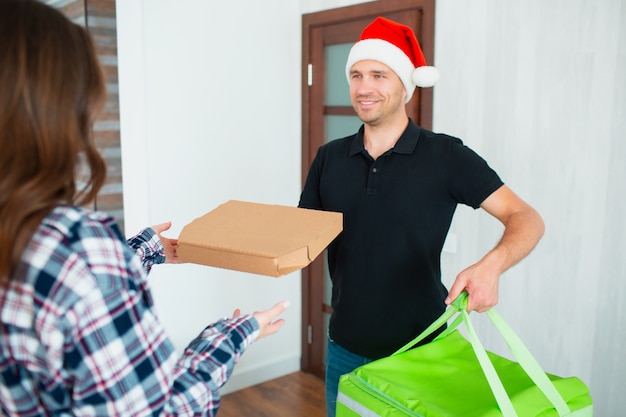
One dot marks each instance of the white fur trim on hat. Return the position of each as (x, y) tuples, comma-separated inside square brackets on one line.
[(387, 53)]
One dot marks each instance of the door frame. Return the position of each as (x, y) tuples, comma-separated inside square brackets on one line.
[(420, 107)]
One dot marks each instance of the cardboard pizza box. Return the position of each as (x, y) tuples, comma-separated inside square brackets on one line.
[(258, 238)]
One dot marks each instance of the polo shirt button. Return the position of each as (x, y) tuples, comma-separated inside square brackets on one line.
[(374, 170)]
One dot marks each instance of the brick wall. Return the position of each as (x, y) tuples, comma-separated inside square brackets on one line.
[(99, 18)]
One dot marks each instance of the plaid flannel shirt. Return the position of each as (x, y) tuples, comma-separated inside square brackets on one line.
[(79, 335)]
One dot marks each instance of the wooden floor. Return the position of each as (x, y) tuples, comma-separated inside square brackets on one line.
[(294, 395)]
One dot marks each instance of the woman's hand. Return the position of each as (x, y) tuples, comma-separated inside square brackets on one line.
[(267, 325), (169, 245), (265, 318)]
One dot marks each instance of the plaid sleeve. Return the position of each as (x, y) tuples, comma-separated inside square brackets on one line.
[(127, 366), (79, 333), (206, 365), (116, 352), (148, 247)]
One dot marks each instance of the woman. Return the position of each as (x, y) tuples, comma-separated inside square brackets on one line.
[(78, 331)]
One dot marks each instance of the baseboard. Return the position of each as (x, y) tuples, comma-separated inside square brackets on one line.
[(244, 378)]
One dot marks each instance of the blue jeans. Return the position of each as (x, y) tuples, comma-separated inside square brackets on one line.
[(339, 361)]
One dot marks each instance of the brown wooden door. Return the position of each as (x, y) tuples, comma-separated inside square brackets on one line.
[(327, 114)]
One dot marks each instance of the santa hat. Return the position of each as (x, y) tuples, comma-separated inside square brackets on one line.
[(394, 45)]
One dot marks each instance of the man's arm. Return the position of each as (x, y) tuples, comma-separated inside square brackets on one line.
[(523, 227)]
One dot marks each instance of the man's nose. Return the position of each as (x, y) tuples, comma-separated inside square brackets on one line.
[(364, 85)]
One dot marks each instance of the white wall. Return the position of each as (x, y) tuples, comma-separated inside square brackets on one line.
[(539, 89), (211, 112)]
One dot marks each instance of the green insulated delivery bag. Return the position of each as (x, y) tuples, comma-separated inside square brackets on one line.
[(455, 377)]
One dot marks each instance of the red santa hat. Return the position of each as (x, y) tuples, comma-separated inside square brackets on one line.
[(394, 45)]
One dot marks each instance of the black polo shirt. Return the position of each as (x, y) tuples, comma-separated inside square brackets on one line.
[(397, 209)]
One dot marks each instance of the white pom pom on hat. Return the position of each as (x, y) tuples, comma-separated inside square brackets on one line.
[(394, 45), (425, 76)]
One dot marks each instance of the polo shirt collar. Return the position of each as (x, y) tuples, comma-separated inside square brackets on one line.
[(405, 145)]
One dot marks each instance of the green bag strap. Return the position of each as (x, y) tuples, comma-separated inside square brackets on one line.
[(516, 346), (502, 398), (528, 362), (453, 309)]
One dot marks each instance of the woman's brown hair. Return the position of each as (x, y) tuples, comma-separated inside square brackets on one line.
[(51, 86)]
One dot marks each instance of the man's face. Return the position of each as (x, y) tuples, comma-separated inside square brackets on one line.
[(376, 92)]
